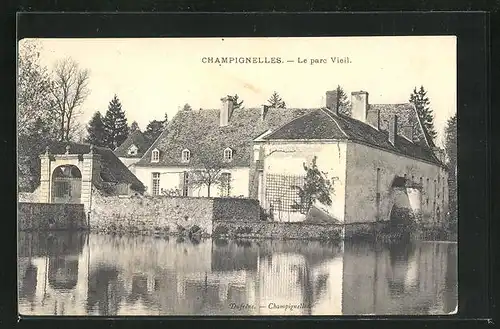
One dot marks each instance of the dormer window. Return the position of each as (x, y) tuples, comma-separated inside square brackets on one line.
[(186, 155), (228, 154), (155, 156), (132, 150)]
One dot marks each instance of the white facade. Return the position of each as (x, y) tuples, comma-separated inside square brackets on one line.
[(172, 178), (288, 158), (129, 162)]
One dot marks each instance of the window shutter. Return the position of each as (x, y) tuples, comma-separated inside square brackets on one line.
[(181, 181)]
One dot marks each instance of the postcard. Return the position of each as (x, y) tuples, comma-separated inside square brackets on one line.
[(237, 176)]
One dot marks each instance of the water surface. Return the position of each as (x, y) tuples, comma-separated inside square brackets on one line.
[(93, 274)]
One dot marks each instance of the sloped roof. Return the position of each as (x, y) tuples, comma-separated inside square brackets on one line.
[(190, 129), (135, 138), (324, 124), (112, 169), (407, 116)]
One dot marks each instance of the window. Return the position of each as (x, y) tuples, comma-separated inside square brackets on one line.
[(132, 150), (225, 184), (155, 156), (185, 184), (228, 154), (156, 183), (186, 155)]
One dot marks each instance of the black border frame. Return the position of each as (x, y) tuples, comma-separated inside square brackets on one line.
[(473, 61)]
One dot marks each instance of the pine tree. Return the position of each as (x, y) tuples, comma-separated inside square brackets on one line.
[(451, 143), (165, 121), (343, 103), (451, 152), (187, 107), (96, 134), (134, 127), (275, 101), (153, 130), (115, 124), (421, 102)]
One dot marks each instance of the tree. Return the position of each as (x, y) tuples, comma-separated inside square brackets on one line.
[(96, 132), (36, 121), (34, 84), (115, 124), (69, 91), (237, 104), (153, 130), (451, 152), (275, 101), (187, 107), (207, 156), (316, 187), (343, 103), (451, 142), (165, 121), (134, 127), (421, 102)]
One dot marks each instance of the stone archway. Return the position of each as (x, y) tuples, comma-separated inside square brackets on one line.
[(66, 184), (405, 201)]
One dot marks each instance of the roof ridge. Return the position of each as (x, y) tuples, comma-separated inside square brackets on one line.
[(333, 119), (287, 123)]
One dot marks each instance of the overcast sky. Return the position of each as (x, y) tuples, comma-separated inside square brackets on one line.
[(156, 76)]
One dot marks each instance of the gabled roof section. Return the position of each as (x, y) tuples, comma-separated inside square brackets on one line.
[(323, 124), (190, 129), (112, 169), (315, 125), (407, 116), (135, 138)]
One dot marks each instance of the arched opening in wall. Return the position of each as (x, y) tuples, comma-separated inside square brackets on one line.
[(406, 201), (438, 215), (66, 184)]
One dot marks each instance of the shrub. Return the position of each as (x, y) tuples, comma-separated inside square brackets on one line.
[(264, 216), (243, 230), (194, 230), (171, 192), (331, 235), (220, 230), (181, 229)]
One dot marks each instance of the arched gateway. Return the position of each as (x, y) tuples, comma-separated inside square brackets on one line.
[(66, 184)]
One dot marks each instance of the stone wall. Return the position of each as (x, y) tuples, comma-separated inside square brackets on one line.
[(44, 216), (236, 209), (28, 197), (150, 213), (277, 230)]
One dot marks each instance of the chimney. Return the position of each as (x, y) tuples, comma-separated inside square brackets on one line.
[(373, 117), (393, 129), (263, 111), (331, 100), (359, 103), (226, 110), (407, 131)]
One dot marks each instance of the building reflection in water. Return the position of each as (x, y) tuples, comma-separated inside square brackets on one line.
[(74, 274), (53, 268)]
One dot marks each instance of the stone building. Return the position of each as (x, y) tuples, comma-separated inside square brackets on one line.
[(219, 140), (381, 161), (71, 172), (380, 158), (132, 149)]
